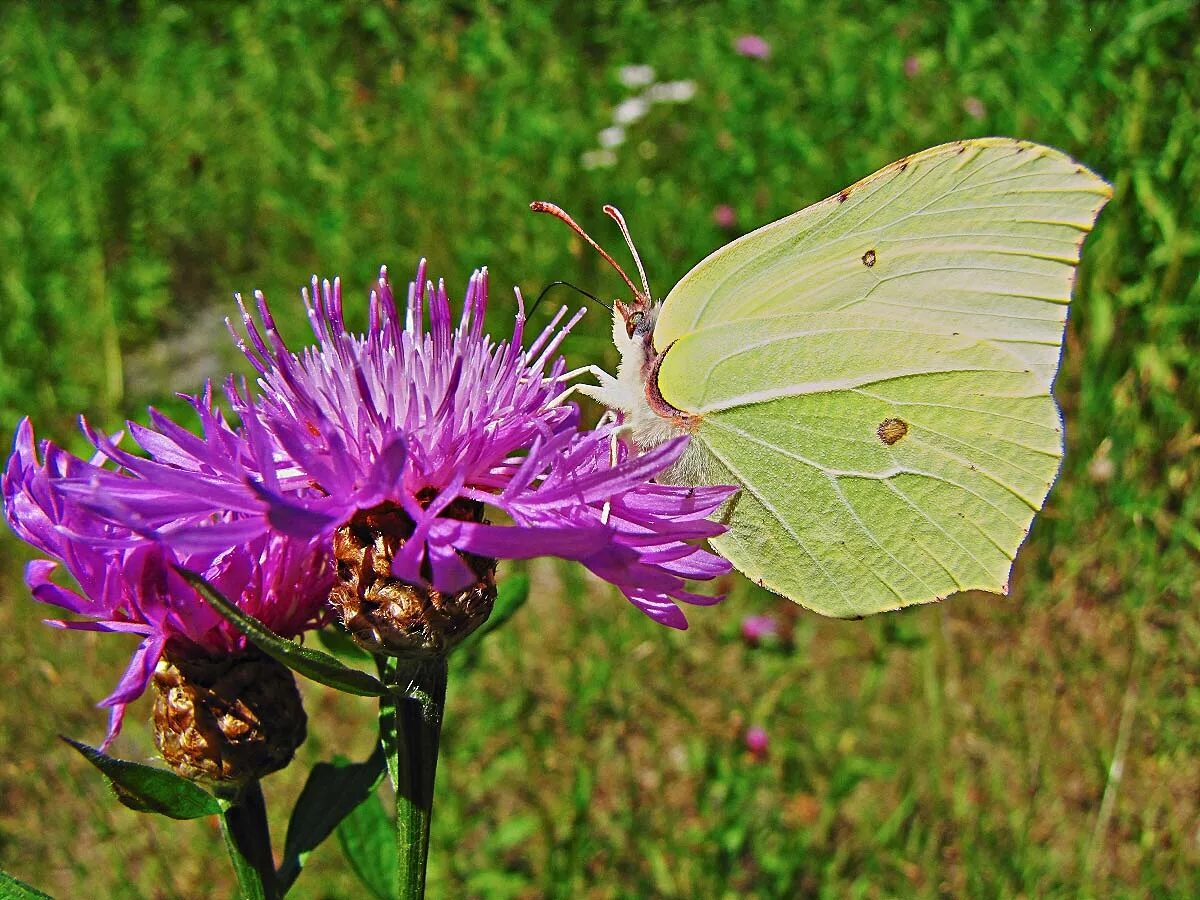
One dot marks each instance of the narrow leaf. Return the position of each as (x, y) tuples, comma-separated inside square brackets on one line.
[(14, 889), (340, 644), (389, 736), (332, 792), (368, 840), (312, 664), (147, 789)]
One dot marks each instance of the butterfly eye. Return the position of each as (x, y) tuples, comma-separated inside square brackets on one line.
[(633, 321)]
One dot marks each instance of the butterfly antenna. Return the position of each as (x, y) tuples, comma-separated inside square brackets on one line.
[(615, 214), (558, 213), (573, 287)]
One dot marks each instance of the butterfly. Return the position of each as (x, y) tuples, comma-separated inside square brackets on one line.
[(874, 372)]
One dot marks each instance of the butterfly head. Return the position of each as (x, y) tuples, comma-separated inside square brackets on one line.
[(636, 316), (634, 392)]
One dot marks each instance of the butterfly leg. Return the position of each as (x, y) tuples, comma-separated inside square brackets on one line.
[(613, 457), (588, 390)]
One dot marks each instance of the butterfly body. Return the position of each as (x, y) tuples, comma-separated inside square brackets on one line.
[(875, 372), (648, 420)]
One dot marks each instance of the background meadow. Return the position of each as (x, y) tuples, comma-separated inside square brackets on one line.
[(158, 158)]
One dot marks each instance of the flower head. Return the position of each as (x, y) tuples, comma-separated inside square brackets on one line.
[(752, 45), (757, 742), (724, 215), (974, 107), (636, 75), (129, 584), (419, 424), (756, 629)]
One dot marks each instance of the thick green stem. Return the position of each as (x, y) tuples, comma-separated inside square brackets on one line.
[(248, 840), (416, 714)]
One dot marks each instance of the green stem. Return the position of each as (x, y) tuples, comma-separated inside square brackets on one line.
[(417, 702), (248, 840)]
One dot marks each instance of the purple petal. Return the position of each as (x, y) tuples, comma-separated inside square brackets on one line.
[(137, 676)]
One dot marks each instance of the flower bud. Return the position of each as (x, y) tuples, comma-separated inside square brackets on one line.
[(226, 720), (757, 742), (387, 615)]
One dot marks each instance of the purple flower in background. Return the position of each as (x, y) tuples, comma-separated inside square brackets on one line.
[(974, 107), (724, 215), (912, 66), (752, 45), (756, 629), (128, 584), (757, 742), (392, 443)]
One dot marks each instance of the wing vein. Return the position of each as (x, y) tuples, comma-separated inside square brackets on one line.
[(748, 486)]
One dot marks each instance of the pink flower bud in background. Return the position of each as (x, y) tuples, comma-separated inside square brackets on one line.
[(756, 629), (912, 66), (724, 215), (752, 45), (974, 107), (757, 742)]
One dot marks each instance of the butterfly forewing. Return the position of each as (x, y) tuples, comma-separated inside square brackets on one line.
[(875, 372)]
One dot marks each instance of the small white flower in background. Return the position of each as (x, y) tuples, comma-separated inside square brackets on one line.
[(629, 111), (612, 137), (634, 109), (671, 92), (636, 76), (599, 159), (1102, 468)]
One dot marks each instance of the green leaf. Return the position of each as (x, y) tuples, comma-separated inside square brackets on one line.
[(147, 789), (332, 792), (13, 889), (313, 664), (511, 594), (339, 643), (368, 840), (389, 736)]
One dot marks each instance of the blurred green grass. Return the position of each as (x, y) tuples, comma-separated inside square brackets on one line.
[(161, 157)]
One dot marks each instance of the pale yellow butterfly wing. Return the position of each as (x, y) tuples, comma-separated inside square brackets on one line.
[(875, 371)]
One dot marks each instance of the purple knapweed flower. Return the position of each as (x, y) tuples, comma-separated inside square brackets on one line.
[(724, 215), (128, 584), (752, 45), (756, 629), (393, 442)]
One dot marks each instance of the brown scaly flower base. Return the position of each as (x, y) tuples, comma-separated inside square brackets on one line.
[(386, 615), (226, 721)]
